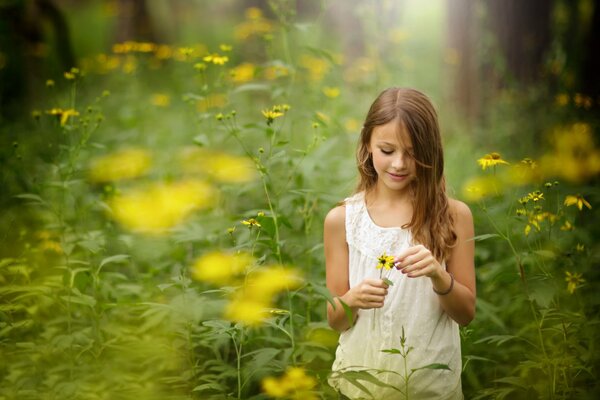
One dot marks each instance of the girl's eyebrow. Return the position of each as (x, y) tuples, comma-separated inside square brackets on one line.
[(391, 144)]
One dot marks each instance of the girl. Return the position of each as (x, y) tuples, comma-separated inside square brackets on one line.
[(400, 208)]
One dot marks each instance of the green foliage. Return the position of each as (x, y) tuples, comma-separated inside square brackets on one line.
[(95, 305)]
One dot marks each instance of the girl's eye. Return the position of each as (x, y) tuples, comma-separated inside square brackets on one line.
[(386, 151)]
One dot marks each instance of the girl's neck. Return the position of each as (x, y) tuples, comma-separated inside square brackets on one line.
[(383, 195)]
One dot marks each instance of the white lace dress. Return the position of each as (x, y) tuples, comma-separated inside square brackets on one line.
[(410, 304)]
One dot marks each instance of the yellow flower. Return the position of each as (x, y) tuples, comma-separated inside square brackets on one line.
[(316, 67), (220, 268), (270, 115), (490, 160), (251, 222), (64, 115), (273, 387), (50, 83), (123, 164), (562, 99), (385, 261), (186, 51), (480, 187), (216, 59), (64, 118), (225, 47), (574, 155), (266, 282), (567, 226), (251, 303), (247, 311), (295, 384), (579, 247), (578, 201), (243, 73), (574, 280), (161, 100), (222, 167), (535, 196), (331, 92), (159, 207)]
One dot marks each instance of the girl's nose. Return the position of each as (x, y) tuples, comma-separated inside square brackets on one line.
[(398, 162)]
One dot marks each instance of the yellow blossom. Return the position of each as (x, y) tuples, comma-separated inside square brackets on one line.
[(225, 47), (251, 222), (243, 73), (577, 201), (222, 167), (491, 160), (562, 99), (316, 67), (252, 302), (215, 59), (159, 207), (535, 196), (270, 115), (331, 92), (385, 261), (254, 25), (573, 156), (567, 226), (123, 164), (294, 383), (579, 247), (273, 387), (480, 187), (161, 100), (186, 51), (247, 311), (574, 280), (220, 268)]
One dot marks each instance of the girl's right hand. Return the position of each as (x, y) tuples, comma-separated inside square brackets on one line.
[(370, 293)]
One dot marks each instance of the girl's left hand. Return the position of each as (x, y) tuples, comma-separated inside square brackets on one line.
[(418, 261)]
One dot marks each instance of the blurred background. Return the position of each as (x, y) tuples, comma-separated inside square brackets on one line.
[(165, 161)]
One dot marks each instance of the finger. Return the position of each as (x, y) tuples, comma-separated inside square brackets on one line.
[(416, 266), (406, 252)]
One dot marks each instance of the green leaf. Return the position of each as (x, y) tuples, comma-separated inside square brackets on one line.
[(485, 236), (391, 351), (390, 283), (323, 291), (348, 311), (433, 366), (35, 199), (119, 258), (545, 253), (498, 339)]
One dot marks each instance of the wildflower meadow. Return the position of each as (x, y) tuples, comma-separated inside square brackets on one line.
[(163, 197)]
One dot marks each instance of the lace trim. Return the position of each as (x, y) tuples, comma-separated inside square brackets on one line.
[(363, 234)]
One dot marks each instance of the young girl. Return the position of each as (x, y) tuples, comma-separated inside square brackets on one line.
[(400, 209)]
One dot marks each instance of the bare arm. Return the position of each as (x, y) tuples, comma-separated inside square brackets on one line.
[(369, 294), (459, 303)]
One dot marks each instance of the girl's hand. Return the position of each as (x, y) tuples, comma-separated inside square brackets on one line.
[(418, 261), (370, 293)]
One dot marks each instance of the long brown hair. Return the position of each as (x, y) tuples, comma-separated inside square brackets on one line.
[(431, 223)]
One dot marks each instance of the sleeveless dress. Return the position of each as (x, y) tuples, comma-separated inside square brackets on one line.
[(411, 305)]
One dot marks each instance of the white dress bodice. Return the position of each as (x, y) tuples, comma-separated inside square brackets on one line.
[(410, 304)]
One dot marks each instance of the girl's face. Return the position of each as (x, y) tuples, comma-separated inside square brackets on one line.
[(392, 154)]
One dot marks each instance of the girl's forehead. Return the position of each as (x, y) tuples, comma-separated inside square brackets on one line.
[(393, 132)]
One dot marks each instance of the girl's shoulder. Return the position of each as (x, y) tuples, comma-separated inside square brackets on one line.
[(336, 217), (461, 213)]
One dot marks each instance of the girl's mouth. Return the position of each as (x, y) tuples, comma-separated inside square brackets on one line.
[(397, 177)]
